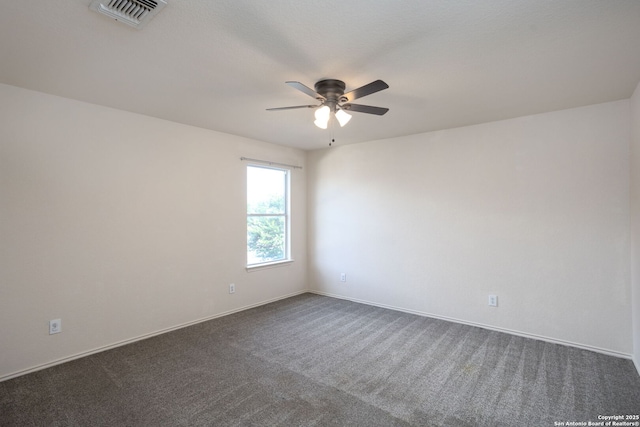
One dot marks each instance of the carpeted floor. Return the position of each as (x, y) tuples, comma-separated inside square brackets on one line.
[(318, 361)]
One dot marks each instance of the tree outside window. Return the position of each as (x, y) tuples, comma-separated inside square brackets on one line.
[(267, 215)]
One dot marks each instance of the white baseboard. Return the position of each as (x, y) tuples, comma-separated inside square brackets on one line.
[(481, 325), (141, 337), (636, 361)]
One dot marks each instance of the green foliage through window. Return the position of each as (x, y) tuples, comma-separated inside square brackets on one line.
[(267, 216)]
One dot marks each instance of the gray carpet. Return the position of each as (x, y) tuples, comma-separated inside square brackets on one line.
[(318, 361)]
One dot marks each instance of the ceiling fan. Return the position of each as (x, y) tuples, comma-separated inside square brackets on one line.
[(332, 99)]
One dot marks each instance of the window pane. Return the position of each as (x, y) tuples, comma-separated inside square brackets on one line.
[(265, 239), (266, 190)]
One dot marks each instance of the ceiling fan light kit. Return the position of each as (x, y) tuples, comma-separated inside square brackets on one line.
[(343, 117), (322, 114), (330, 93)]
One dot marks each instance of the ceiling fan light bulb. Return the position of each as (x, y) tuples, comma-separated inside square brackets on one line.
[(343, 117), (322, 113), (322, 124)]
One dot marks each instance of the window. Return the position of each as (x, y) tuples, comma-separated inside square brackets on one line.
[(267, 215)]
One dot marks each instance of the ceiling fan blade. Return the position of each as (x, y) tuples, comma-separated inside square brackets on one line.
[(305, 89), (365, 90), (292, 108), (379, 111)]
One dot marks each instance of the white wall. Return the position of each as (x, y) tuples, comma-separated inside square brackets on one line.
[(635, 223), (534, 209), (122, 225)]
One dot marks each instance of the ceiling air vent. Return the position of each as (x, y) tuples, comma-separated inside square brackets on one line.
[(133, 12)]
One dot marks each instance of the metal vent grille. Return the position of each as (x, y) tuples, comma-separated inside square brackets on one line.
[(133, 12)]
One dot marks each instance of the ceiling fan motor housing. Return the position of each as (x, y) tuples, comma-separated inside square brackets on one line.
[(332, 90)]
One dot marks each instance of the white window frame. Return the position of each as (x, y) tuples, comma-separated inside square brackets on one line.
[(287, 220)]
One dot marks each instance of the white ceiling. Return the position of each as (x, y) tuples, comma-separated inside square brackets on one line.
[(219, 64)]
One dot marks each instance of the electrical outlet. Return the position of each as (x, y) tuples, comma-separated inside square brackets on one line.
[(493, 300), (343, 277), (55, 326), (232, 288)]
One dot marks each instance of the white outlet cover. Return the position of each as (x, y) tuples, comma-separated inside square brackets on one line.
[(493, 300), (55, 326)]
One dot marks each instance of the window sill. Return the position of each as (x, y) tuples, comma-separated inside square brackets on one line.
[(256, 267)]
